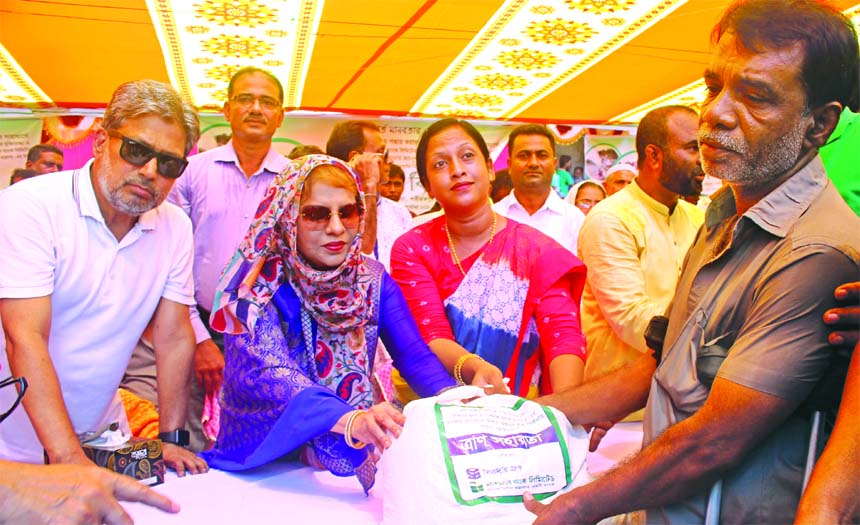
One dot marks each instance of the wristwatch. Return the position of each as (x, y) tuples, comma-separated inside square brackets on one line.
[(175, 437)]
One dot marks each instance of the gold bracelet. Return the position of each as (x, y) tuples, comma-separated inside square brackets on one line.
[(347, 431), (458, 368)]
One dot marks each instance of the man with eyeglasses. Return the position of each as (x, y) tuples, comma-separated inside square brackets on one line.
[(94, 256), (360, 143), (220, 192)]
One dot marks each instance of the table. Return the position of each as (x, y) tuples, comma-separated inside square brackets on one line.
[(280, 492), (288, 492), (622, 441)]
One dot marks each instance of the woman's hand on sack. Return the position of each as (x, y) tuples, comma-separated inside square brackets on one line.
[(377, 424), (488, 376)]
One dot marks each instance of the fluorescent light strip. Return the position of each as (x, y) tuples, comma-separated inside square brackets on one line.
[(530, 48), (16, 86), (204, 42)]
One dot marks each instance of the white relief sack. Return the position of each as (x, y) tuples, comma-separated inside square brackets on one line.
[(470, 462)]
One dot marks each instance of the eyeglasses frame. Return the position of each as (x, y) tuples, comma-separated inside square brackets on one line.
[(22, 388), (322, 224)]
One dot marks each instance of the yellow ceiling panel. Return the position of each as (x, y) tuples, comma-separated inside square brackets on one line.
[(389, 54), (373, 57), (670, 54), (79, 52)]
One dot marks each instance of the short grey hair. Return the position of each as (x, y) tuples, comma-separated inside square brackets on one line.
[(140, 98)]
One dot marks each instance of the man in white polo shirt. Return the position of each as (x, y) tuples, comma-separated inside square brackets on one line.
[(532, 165), (87, 258)]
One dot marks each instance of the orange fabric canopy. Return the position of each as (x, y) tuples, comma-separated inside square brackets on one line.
[(375, 57)]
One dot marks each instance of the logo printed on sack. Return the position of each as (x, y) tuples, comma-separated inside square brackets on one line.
[(495, 453)]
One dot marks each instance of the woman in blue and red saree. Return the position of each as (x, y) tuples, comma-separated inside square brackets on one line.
[(302, 310), (479, 284)]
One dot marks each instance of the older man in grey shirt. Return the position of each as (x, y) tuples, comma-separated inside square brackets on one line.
[(745, 344)]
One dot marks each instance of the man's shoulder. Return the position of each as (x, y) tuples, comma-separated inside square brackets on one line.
[(558, 219), (275, 162), (556, 203), (396, 213), (172, 218), (199, 170), (830, 221), (393, 205), (619, 205), (505, 203), (532, 237), (53, 190), (206, 158), (693, 212)]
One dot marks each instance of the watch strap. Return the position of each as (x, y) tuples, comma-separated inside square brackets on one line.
[(179, 437)]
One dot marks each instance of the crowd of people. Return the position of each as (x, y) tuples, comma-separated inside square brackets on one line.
[(264, 306)]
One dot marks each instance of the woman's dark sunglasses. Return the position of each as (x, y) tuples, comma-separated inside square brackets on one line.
[(21, 385), (319, 216), (138, 154)]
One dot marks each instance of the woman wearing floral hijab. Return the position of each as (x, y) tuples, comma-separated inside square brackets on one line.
[(303, 310)]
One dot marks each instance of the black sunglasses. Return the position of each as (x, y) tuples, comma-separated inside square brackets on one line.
[(21, 387), (138, 154), (319, 216)]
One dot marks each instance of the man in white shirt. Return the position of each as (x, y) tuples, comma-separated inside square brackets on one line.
[(634, 242), (44, 158), (531, 166), (360, 143), (96, 254)]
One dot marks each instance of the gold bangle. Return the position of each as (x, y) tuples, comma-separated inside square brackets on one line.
[(347, 431), (458, 368)]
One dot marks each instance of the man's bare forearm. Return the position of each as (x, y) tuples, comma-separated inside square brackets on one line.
[(610, 397), (687, 458), (368, 242), (174, 344)]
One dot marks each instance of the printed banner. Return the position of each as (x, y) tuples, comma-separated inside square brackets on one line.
[(604, 151), (17, 136)]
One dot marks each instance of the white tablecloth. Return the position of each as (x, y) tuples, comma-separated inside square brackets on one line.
[(622, 440), (285, 492), (277, 493)]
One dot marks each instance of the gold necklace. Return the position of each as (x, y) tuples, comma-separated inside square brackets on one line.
[(454, 252)]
